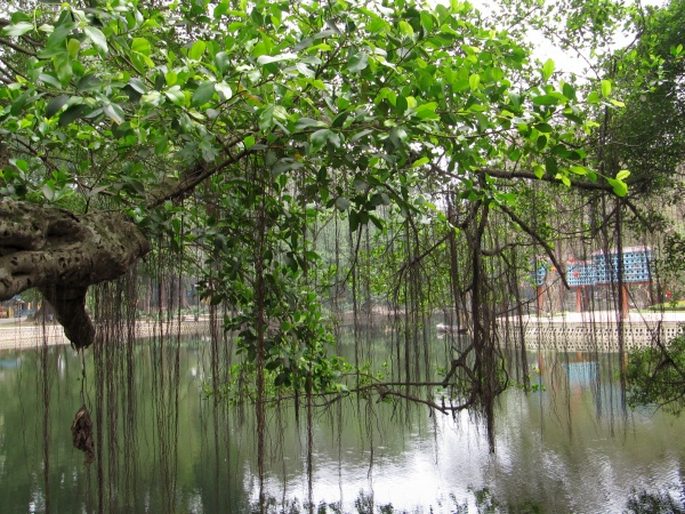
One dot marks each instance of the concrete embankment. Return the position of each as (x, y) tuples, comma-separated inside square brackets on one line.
[(26, 335), (601, 330), (593, 331)]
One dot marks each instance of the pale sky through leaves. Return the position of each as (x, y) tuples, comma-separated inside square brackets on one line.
[(567, 62)]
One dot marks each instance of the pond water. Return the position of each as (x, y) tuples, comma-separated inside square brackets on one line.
[(568, 447)]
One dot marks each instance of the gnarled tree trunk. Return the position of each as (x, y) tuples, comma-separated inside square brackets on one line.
[(62, 254)]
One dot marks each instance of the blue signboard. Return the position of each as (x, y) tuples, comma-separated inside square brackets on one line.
[(580, 273), (603, 268), (636, 265), (540, 275)]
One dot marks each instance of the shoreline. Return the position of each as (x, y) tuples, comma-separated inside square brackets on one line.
[(29, 336), (25, 335)]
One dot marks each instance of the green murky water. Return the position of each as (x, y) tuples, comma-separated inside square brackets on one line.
[(569, 447)]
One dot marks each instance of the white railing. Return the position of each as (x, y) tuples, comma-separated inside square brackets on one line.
[(602, 337)]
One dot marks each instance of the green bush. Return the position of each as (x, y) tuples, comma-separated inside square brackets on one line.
[(656, 375)]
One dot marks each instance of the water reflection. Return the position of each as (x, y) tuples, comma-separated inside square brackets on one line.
[(570, 446)]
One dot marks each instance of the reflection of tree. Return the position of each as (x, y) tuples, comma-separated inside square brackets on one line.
[(73, 486), (23, 449)]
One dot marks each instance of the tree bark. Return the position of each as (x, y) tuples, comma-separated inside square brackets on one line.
[(62, 254)]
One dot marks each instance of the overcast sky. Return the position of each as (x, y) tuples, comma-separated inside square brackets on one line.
[(566, 62)]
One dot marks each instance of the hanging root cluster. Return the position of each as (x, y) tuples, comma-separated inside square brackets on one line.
[(82, 434)]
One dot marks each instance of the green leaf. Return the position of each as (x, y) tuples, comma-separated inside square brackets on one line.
[(55, 43), (420, 162), (153, 98), (141, 45), (114, 112), (339, 120), (72, 113), (401, 105), (354, 221), (305, 70), (551, 165), (405, 28), (478, 108), (547, 69), (361, 134), (541, 142), (569, 91), (171, 77), (427, 111), (222, 61), (622, 174), (397, 136), (474, 81), (358, 62), (197, 50), (564, 179), (280, 113), (73, 47), (203, 94), (514, 154), (175, 94), (606, 88), (509, 198), (55, 105), (18, 29), (593, 98), (305, 123), (545, 100), (286, 164), (48, 192), (208, 150), (266, 118), (322, 136), (50, 80), (20, 164), (579, 170), (97, 37), (224, 90), (620, 188), (268, 59), (89, 82), (19, 103), (249, 141), (63, 67), (138, 85)]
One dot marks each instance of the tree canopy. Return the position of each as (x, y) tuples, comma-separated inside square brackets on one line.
[(141, 103)]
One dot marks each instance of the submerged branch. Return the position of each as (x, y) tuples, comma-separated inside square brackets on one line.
[(385, 390)]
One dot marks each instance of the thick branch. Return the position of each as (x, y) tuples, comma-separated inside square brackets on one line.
[(62, 255), (194, 177), (577, 184), (536, 237)]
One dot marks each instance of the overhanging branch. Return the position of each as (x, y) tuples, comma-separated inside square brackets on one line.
[(62, 254)]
